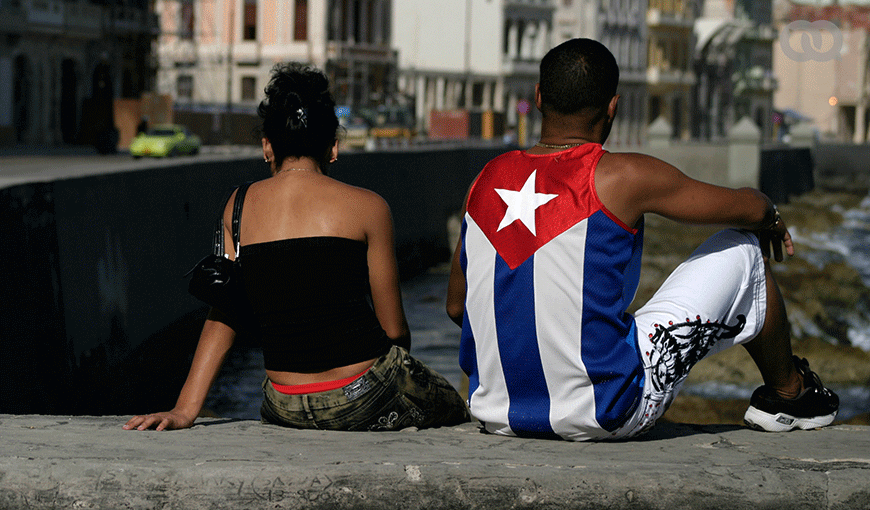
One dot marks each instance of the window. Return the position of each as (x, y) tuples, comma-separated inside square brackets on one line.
[(249, 88), (655, 108), (186, 21), (477, 94), (300, 28), (184, 86), (249, 31)]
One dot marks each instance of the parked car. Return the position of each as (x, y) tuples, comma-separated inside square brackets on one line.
[(165, 140)]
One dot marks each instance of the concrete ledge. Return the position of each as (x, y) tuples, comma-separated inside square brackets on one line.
[(90, 462)]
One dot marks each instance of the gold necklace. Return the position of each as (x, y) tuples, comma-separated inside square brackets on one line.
[(553, 146)]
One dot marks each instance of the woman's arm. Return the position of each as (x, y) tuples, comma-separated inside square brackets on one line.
[(215, 341), (384, 272)]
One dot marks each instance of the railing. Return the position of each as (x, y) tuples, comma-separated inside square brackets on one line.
[(83, 17), (530, 3), (45, 12)]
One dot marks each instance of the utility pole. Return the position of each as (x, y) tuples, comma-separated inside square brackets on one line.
[(468, 85), (860, 135)]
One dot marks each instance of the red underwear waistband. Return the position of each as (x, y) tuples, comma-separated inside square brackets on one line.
[(301, 389)]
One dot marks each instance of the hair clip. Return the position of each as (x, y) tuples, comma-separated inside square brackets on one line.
[(302, 115)]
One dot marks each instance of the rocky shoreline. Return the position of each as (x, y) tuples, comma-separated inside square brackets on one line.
[(819, 298)]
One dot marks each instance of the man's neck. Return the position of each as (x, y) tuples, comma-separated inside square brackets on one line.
[(559, 129)]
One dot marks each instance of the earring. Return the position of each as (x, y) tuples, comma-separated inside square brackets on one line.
[(267, 160), (333, 160)]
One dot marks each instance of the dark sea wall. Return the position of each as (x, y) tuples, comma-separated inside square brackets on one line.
[(847, 165), (96, 317)]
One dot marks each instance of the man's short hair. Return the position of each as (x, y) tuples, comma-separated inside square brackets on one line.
[(578, 74)]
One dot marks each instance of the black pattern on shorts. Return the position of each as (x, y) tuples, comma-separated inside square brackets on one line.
[(678, 347)]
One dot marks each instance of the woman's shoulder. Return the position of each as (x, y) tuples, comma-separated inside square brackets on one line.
[(361, 197)]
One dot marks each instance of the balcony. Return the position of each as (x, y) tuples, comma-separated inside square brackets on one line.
[(630, 18), (521, 67), (755, 80), (545, 4), (361, 52), (762, 34), (45, 12), (130, 20), (669, 78), (664, 19), (12, 19), (83, 20), (530, 10)]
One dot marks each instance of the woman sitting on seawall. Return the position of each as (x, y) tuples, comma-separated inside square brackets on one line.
[(313, 250)]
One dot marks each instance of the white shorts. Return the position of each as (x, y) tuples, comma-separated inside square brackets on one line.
[(714, 300)]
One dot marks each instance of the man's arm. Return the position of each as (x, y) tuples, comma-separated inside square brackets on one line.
[(456, 289), (456, 284), (631, 185)]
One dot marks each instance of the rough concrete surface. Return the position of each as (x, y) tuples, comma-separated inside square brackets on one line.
[(90, 462)]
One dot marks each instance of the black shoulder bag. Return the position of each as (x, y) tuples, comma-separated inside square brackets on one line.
[(215, 279)]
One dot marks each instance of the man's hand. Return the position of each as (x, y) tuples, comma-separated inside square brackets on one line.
[(163, 421), (775, 236)]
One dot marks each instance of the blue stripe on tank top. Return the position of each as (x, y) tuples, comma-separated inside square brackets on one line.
[(615, 369), (529, 413)]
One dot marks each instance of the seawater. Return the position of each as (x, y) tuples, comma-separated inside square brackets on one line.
[(850, 243), (237, 392)]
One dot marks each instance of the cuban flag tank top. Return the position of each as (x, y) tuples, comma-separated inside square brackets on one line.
[(547, 344)]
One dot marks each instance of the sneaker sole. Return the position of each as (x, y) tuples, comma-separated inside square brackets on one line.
[(782, 422)]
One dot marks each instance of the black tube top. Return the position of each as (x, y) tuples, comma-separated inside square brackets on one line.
[(310, 297)]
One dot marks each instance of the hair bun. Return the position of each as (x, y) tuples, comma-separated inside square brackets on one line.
[(298, 112)]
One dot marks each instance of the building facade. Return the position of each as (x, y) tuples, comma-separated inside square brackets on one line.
[(217, 54), (733, 63), (838, 105), (669, 72), (64, 62), (471, 55), (449, 56), (621, 26)]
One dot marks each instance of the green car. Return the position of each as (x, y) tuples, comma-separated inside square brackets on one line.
[(165, 140)]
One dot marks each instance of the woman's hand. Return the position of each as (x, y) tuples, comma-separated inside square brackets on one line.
[(775, 235), (163, 421), (214, 343)]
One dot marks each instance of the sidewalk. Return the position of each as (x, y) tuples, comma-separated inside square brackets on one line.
[(25, 164), (90, 462)]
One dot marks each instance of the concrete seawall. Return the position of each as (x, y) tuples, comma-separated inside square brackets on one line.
[(89, 462)]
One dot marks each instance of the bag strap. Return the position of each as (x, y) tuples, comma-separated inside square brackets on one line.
[(218, 239), (237, 216)]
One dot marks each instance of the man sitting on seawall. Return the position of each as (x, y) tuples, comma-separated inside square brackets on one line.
[(549, 261)]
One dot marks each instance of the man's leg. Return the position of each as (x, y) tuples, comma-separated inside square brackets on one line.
[(793, 396), (715, 299), (771, 349), (723, 295)]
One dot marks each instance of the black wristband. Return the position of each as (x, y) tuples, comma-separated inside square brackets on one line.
[(772, 224)]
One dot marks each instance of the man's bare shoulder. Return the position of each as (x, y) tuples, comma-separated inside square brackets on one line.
[(631, 160), (634, 167)]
